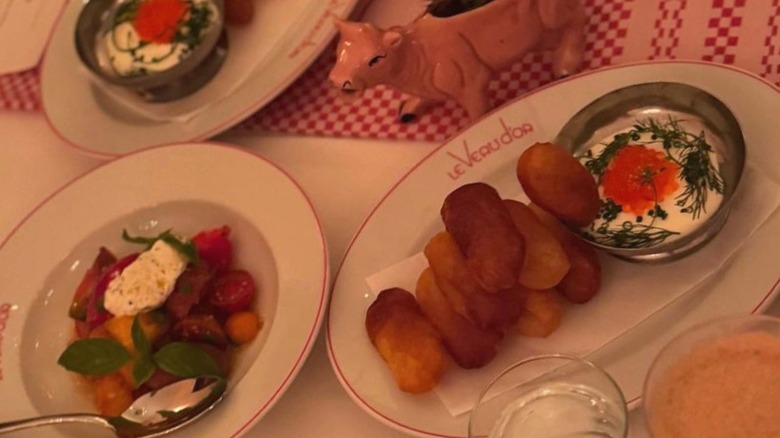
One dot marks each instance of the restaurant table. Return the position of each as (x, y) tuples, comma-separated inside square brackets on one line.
[(344, 178)]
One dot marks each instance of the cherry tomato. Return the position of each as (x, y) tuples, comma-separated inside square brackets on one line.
[(215, 248), (233, 292), (200, 328), (191, 286)]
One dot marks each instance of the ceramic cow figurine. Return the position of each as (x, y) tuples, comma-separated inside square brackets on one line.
[(438, 58)]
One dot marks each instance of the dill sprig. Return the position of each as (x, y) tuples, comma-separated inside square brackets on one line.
[(598, 165), (696, 167), (629, 235), (191, 30), (126, 12)]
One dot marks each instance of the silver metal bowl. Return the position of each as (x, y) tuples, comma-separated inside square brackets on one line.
[(192, 73), (618, 111)]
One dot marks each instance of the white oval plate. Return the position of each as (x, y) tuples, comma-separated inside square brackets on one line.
[(409, 214), (285, 37), (188, 187)]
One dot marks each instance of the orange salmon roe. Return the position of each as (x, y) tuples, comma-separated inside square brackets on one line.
[(157, 20), (638, 178)]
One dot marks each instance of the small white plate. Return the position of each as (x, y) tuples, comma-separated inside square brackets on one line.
[(283, 39), (487, 151), (187, 187)]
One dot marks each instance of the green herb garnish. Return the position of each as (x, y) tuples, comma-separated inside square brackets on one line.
[(609, 210), (185, 248), (186, 360), (629, 235), (691, 153), (143, 369), (696, 167), (140, 341), (126, 12), (98, 357), (94, 357), (191, 31), (598, 165), (144, 366)]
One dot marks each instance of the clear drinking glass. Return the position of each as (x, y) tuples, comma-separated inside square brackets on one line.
[(550, 396)]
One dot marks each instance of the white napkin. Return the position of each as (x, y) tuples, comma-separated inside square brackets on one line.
[(630, 293), (25, 26)]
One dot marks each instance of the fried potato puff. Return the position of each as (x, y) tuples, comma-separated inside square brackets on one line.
[(468, 345), (583, 280), (406, 340), (476, 218), (497, 311), (559, 183), (543, 314), (545, 262)]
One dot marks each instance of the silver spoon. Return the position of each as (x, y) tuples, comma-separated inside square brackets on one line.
[(153, 414)]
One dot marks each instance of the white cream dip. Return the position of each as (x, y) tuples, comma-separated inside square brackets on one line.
[(653, 194)]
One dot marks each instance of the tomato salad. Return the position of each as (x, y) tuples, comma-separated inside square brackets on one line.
[(177, 309)]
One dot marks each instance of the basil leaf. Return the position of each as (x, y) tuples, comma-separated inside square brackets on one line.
[(148, 241), (141, 342), (186, 360), (186, 248), (142, 370), (94, 357)]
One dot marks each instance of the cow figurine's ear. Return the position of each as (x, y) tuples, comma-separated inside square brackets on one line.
[(391, 39)]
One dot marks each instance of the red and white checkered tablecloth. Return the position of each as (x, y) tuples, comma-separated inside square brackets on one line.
[(736, 32)]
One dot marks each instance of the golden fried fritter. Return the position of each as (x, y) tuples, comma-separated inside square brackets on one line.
[(476, 218), (542, 315), (406, 340), (545, 262), (559, 183), (468, 345), (583, 280), (489, 311)]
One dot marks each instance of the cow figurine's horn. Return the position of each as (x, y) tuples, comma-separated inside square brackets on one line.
[(342, 25), (339, 22)]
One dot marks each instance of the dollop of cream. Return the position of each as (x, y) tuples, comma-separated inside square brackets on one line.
[(146, 283)]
